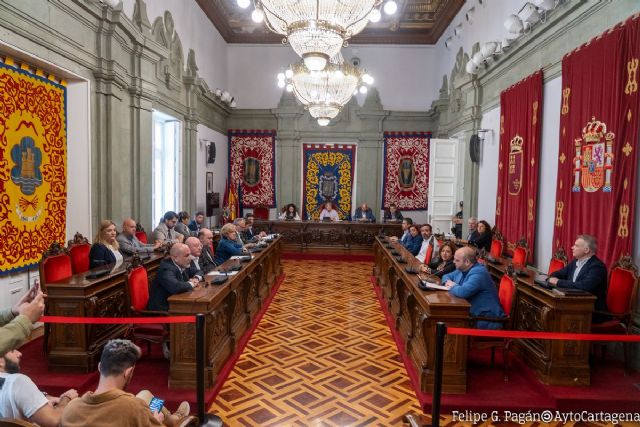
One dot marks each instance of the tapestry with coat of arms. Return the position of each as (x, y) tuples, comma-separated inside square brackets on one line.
[(33, 170), (406, 170), (599, 131), (519, 162), (252, 157), (327, 177)]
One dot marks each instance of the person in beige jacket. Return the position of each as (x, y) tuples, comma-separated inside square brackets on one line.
[(17, 321)]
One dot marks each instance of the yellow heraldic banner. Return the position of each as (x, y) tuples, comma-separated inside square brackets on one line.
[(33, 165)]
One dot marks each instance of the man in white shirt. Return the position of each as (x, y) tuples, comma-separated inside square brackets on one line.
[(429, 241), (21, 399)]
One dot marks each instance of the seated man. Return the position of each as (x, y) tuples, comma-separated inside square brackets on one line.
[(206, 262), (473, 282), (21, 399), (196, 223), (241, 228), (195, 249), (129, 243), (172, 278), (429, 246), (392, 214), (585, 272), (473, 229), (17, 321), (414, 241), (165, 231), (110, 404), (249, 235), (406, 223), (364, 214)]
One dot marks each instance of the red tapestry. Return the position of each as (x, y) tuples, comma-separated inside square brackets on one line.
[(406, 170), (597, 159), (252, 156), (520, 125)]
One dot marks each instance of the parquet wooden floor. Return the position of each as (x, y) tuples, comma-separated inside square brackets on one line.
[(322, 355)]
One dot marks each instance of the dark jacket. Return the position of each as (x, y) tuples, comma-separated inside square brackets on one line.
[(195, 270), (194, 226), (100, 255), (482, 241), (413, 244), (226, 249), (206, 260), (169, 281), (388, 216), (592, 278), (367, 214), (473, 236), (448, 267)]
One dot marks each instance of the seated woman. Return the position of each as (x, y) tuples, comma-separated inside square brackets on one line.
[(228, 245), (483, 241), (290, 213), (414, 241), (105, 249), (329, 212), (444, 265), (182, 226), (392, 214)]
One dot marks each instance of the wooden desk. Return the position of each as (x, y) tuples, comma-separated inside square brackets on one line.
[(77, 347), (299, 236), (230, 310), (416, 313)]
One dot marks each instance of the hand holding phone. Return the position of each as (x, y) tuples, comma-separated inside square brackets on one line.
[(156, 404)]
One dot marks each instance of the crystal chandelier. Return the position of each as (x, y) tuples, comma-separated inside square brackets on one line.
[(317, 29), (325, 92)]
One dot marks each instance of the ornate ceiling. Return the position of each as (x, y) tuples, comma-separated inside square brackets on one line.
[(415, 22)]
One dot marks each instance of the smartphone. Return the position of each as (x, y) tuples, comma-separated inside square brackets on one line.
[(156, 404), (35, 289)]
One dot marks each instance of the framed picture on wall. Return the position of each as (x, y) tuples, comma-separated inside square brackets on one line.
[(209, 182)]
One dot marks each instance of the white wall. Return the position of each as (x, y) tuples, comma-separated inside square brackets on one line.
[(219, 168), (196, 32), (488, 171)]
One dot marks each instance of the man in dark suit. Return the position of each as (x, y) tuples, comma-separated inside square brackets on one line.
[(364, 213), (172, 278), (206, 257), (585, 272), (195, 249), (473, 229), (196, 223)]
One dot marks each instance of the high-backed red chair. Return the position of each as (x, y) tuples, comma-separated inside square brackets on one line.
[(55, 265), (497, 245), (558, 261), (138, 286), (621, 297), (140, 234), (79, 248), (520, 254), (261, 212), (507, 297)]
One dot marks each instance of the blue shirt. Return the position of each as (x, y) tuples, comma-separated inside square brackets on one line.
[(226, 249), (477, 287)]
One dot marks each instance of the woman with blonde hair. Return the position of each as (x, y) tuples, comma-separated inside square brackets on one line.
[(105, 249)]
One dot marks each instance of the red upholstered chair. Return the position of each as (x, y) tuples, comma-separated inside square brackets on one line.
[(261, 212), (558, 262), (497, 245), (55, 265), (520, 255), (507, 297), (140, 234), (79, 249), (621, 298), (138, 286)]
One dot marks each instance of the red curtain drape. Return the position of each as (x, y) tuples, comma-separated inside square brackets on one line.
[(597, 158), (520, 124)]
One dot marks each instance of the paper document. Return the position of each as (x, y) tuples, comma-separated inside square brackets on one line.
[(220, 273), (241, 256), (432, 285)]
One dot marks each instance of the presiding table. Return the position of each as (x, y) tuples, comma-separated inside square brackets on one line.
[(415, 313), (77, 347), (344, 236), (557, 362), (230, 310)]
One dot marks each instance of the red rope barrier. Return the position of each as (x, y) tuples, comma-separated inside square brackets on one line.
[(118, 320), (500, 333)]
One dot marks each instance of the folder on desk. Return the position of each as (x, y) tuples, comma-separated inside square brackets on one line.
[(425, 284)]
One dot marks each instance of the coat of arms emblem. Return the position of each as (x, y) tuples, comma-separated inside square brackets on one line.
[(593, 162), (515, 165)]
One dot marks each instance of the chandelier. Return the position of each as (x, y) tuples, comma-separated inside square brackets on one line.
[(317, 29), (324, 93)]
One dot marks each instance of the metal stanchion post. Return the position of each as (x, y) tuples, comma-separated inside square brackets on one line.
[(441, 331), (203, 418)]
